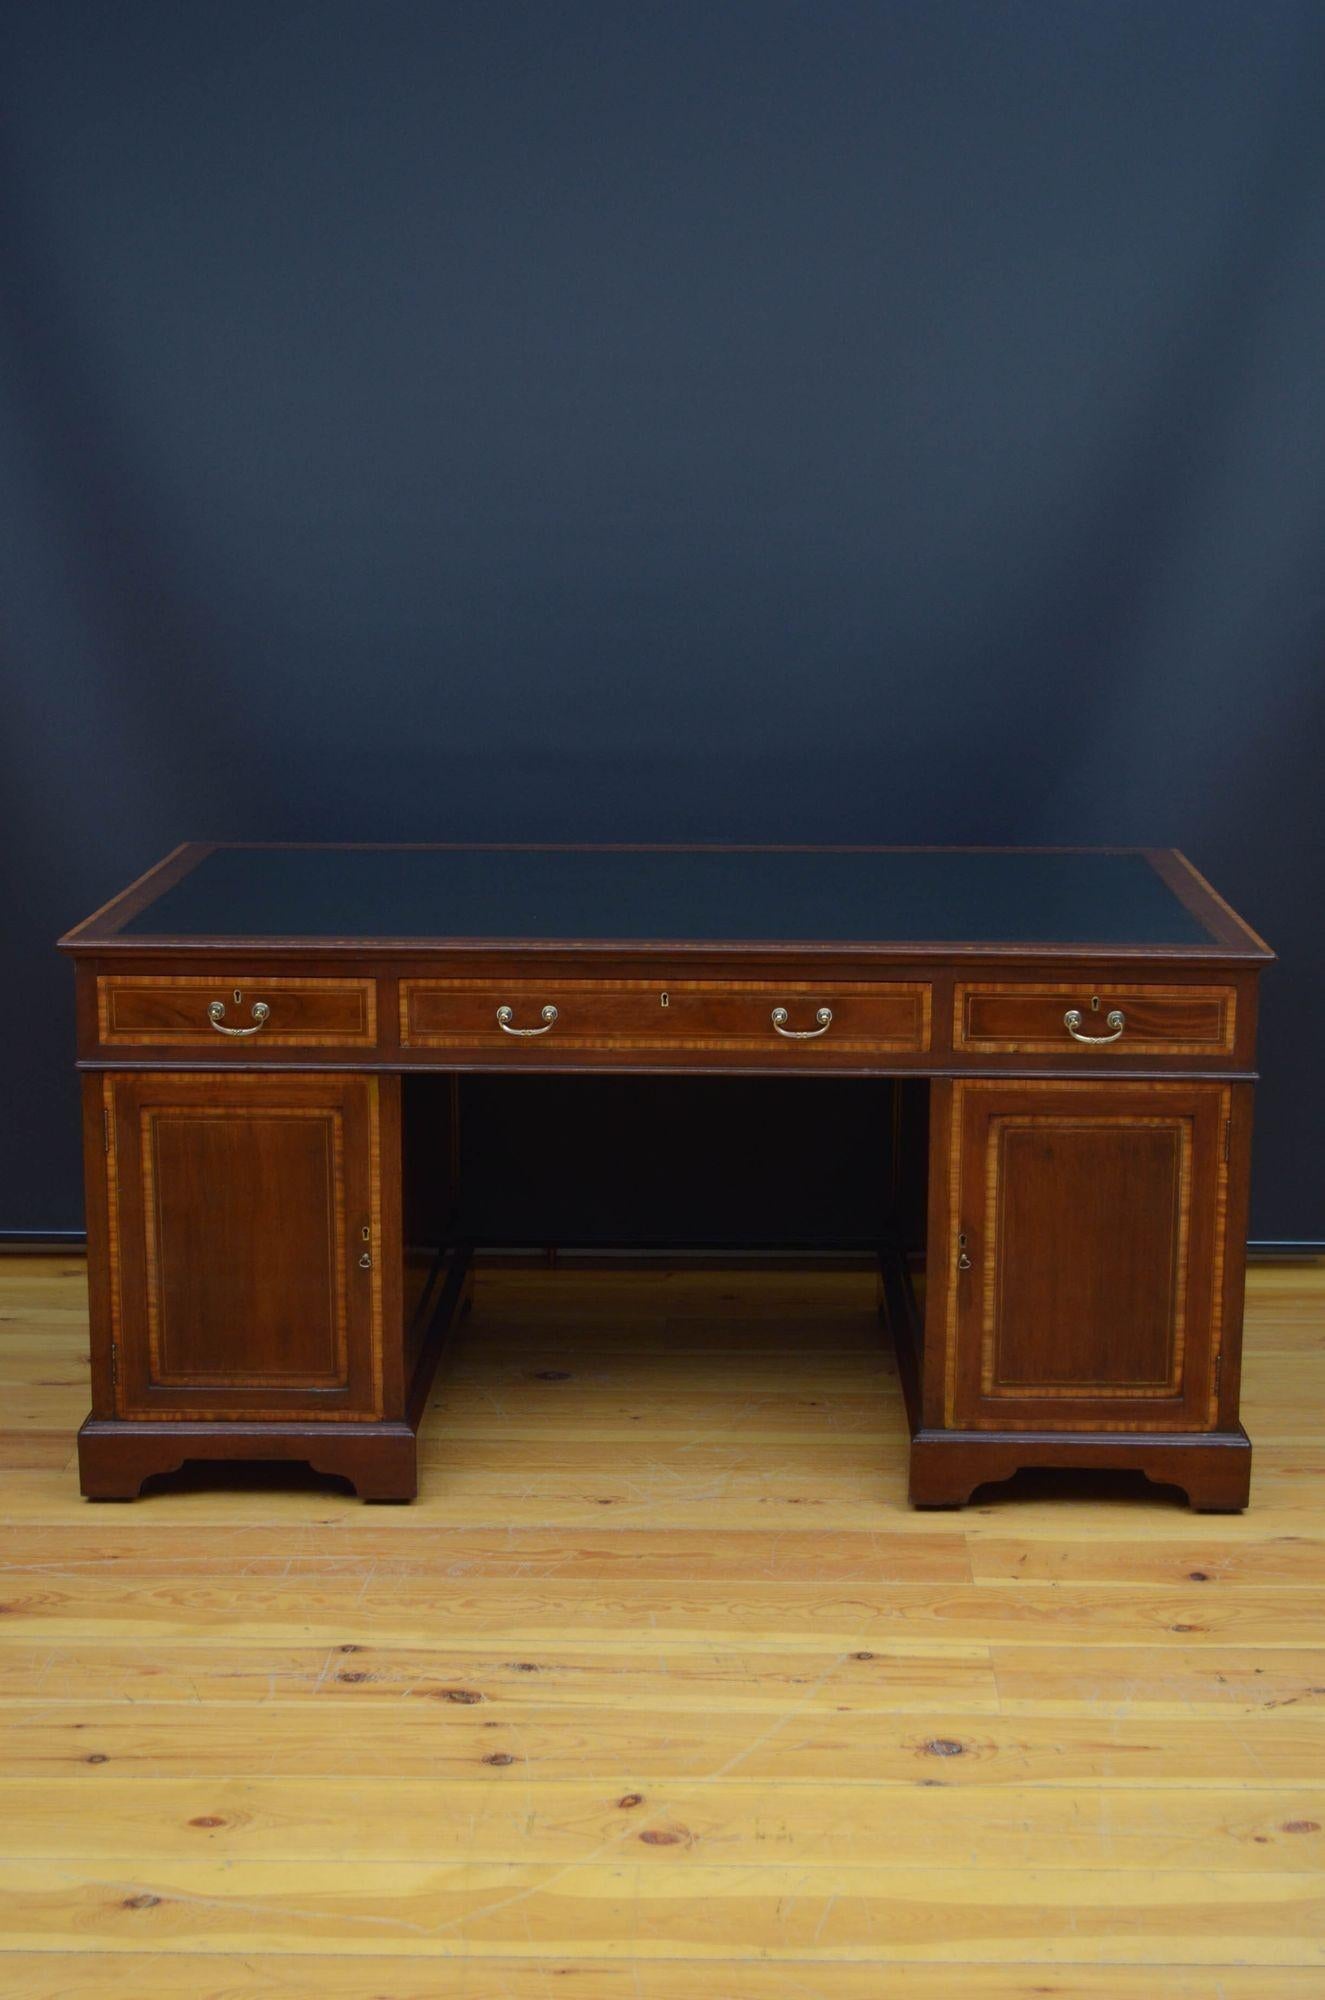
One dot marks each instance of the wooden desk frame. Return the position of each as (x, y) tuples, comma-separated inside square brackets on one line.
[(253, 1290)]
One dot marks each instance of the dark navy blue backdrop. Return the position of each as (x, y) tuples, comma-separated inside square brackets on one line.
[(777, 421)]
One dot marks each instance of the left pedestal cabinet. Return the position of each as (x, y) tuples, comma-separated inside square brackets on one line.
[(251, 1270)]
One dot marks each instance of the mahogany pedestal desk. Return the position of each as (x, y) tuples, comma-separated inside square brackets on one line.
[(275, 1041)]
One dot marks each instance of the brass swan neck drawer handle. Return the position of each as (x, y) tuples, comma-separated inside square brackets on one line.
[(1072, 1022), (781, 1017), (505, 1016), (216, 1015)]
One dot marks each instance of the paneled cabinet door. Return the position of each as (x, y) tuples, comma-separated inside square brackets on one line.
[(1087, 1244), (243, 1223)]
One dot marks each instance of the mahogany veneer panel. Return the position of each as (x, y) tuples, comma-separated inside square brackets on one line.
[(243, 1222), (644, 1015), (1045, 1334), (1089, 1225), (158, 1009), (1027, 1018)]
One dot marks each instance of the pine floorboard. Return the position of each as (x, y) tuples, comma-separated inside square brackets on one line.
[(660, 1691)]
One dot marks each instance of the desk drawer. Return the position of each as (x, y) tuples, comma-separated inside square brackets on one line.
[(767, 1018), (1066, 1019), (235, 1010)]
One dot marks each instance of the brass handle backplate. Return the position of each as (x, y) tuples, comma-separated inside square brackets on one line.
[(505, 1016), (781, 1017), (216, 1015), (1072, 1022)]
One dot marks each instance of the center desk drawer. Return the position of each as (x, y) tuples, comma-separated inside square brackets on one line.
[(832, 1018), (234, 1010), (1066, 1018)]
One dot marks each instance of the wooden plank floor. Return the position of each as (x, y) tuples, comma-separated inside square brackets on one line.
[(660, 1692)]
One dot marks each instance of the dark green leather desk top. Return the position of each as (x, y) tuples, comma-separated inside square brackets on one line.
[(972, 897)]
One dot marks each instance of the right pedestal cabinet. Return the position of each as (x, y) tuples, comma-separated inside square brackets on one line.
[(1085, 1303)]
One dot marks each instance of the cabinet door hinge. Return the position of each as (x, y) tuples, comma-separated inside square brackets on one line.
[(114, 1366), (1219, 1370), (105, 1128), (1228, 1136)]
